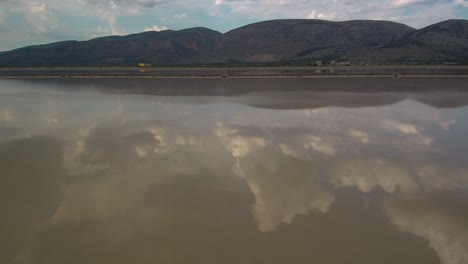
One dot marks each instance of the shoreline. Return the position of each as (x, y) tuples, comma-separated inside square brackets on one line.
[(149, 77), (426, 71)]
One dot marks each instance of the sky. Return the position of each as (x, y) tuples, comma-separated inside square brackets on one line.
[(26, 22)]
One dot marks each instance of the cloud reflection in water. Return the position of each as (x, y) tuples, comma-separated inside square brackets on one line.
[(171, 181)]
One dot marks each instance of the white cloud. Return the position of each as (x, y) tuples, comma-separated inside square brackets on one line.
[(52, 112), (281, 202), (403, 128), (290, 151), (312, 15), (37, 8), (187, 140), (323, 16), (447, 236), (156, 28), (237, 144), (240, 146), (283, 192), (328, 16), (440, 178), (367, 174), (425, 15), (396, 177), (461, 2), (446, 125), (128, 166), (99, 32), (403, 3), (160, 134), (39, 17), (413, 132), (110, 13), (362, 136), (316, 143), (181, 16), (422, 140), (344, 10), (139, 3), (115, 29)]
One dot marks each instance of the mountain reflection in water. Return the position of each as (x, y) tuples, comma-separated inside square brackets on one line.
[(302, 176)]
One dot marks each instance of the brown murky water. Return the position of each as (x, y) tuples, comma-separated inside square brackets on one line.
[(263, 176)]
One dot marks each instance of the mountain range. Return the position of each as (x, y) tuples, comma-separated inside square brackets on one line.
[(287, 41)]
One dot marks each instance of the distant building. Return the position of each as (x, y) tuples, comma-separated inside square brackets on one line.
[(318, 63)]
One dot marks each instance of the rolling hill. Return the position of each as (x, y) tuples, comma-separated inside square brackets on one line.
[(308, 39), (446, 41), (278, 41), (165, 47)]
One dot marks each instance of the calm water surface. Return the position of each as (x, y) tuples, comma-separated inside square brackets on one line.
[(89, 175)]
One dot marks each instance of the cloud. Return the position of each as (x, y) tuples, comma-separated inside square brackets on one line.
[(323, 16), (52, 112), (403, 3), (346, 10), (53, 20), (403, 128), (290, 151), (442, 178), (397, 177), (240, 146), (446, 125), (282, 190), (413, 132), (130, 175), (369, 173), (236, 143), (435, 222), (110, 13), (181, 16), (114, 168), (139, 3), (425, 15), (280, 198), (39, 17), (100, 32), (316, 143), (156, 28), (461, 2), (362, 136)]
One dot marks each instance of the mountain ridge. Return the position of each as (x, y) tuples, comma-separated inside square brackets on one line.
[(274, 41)]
